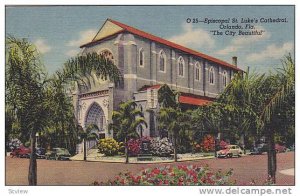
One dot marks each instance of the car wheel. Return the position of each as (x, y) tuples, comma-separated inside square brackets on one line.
[(229, 155)]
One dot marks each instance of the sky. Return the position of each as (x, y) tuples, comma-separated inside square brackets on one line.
[(58, 31)]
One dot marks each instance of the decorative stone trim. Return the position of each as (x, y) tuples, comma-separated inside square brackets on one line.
[(94, 94)]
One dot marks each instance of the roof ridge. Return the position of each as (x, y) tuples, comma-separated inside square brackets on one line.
[(168, 43)]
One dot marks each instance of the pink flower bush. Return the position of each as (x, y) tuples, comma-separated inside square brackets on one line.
[(134, 147), (173, 175), (223, 144)]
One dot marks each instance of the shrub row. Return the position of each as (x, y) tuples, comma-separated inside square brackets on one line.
[(157, 146)]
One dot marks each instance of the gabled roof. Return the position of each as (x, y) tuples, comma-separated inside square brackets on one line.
[(162, 41)]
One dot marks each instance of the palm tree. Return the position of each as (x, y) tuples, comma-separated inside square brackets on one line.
[(25, 94), (89, 69), (166, 97), (214, 120), (88, 134), (126, 120), (284, 84), (241, 98), (175, 121)]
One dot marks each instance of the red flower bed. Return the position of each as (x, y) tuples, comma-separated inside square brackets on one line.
[(173, 175)]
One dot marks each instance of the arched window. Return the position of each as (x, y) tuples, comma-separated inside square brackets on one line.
[(95, 116), (141, 108), (141, 57), (141, 130), (211, 75), (181, 66), (162, 61), (224, 78), (197, 71)]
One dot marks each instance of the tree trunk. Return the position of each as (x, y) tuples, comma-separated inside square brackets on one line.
[(243, 142), (32, 173), (175, 148), (126, 152), (271, 157), (84, 149), (216, 144)]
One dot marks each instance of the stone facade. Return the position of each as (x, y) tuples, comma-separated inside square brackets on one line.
[(145, 61)]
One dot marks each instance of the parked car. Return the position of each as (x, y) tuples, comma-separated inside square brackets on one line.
[(292, 147), (280, 148), (230, 151), (40, 153), (21, 152), (259, 149), (58, 154)]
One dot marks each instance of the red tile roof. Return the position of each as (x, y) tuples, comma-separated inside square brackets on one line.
[(185, 98), (191, 100), (166, 42), (157, 86)]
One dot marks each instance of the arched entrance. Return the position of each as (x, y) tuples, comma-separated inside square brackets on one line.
[(95, 115)]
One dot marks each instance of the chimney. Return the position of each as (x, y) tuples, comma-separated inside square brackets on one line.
[(234, 61)]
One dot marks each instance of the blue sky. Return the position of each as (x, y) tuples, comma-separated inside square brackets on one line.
[(58, 31)]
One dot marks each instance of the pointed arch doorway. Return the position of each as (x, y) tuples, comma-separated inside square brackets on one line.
[(95, 116)]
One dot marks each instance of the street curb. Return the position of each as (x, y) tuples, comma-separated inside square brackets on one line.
[(147, 162)]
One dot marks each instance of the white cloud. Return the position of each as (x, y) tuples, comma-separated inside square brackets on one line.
[(72, 52), (83, 38), (42, 46), (193, 37), (244, 40), (270, 52)]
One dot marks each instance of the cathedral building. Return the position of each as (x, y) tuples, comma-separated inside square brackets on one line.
[(146, 62)]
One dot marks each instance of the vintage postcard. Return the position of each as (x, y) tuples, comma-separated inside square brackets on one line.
[(150, 95)]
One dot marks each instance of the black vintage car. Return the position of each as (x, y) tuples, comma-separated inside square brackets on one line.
[(259, 149), (40, 153)]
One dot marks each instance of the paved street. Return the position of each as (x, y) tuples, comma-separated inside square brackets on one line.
[(83, 173)]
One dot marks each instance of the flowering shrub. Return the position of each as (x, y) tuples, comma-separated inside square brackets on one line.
[(173, 175), (109, 146), (208, 143), (223, 144), (161, 147), (134, 147), (196, 147)]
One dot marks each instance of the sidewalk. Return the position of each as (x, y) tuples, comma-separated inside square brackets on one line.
[(289, 172), (117, 159)]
